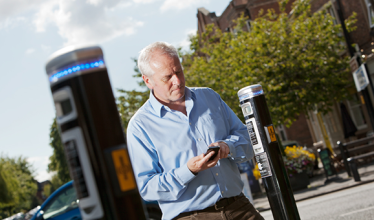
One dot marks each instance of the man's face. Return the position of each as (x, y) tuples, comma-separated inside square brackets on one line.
[(167, 82)]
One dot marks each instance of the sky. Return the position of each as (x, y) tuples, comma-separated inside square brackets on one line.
[(31, 30)]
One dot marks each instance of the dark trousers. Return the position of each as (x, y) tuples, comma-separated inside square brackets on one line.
[(238, 208)]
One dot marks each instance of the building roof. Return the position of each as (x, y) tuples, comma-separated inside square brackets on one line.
[(204, 11)]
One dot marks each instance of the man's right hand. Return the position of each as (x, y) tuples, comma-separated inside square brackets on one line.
[(200, 163)]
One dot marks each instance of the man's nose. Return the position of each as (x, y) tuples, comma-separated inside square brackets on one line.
[(176, 80)]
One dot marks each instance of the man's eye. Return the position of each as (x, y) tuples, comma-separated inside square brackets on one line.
[(166, 78)]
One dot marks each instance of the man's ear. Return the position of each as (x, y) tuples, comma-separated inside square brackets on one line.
[(148, 81)]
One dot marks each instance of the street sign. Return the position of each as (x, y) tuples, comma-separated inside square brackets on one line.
[(361, 78), (326, 162)]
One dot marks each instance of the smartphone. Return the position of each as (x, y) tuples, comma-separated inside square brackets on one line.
[(210, 149)]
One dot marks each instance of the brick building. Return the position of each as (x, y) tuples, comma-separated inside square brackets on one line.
[(315, 130)]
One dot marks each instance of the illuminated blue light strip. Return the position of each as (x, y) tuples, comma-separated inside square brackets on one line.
[(76, 68), (258, 92), (251, 95)]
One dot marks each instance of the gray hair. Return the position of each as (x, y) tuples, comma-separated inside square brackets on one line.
[(146, 54)]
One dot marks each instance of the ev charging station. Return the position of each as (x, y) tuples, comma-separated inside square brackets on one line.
[(92, 135), (267, 153)]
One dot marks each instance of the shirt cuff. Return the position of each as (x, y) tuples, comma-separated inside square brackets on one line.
[(232, 149), (185, 175)]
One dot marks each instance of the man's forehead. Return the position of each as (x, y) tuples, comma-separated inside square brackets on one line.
[(159, 54), (161, 60)]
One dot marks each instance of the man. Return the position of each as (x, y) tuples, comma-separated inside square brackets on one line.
[(170, 133)]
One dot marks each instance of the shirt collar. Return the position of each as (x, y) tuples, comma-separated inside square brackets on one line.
[(157, 106)]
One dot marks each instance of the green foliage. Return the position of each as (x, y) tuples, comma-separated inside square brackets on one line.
[(47, 190), (56, 183), (295, 57), (130, 101), (17, 186), (58, 161), (7, 183)]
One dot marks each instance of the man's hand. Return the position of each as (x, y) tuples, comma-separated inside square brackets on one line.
[(200, 163), (224, 149)]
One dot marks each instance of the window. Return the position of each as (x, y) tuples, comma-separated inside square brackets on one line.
[(248, 23), (249, 20), (370, 6), (355, 108), (282, 132), (331, 11), (62, 203)]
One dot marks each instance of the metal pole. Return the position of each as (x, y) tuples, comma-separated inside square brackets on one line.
[(92, 135), (351, 50), (343, 152), (353, 167), (267, 153)]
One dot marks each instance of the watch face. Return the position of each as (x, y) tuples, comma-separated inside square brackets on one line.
[(247, 109)]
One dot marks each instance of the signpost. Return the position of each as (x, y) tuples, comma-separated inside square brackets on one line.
[(328, 166)]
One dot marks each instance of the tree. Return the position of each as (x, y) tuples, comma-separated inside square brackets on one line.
[(58, 162), (17, 186), (6, 185), (296, 58), (56, 182), (130, 101)]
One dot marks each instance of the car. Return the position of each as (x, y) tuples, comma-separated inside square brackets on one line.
[(63, 204)]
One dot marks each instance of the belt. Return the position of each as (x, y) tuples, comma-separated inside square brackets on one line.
[(222, 203)]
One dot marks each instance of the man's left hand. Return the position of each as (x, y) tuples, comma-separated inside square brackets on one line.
[(224, 149)]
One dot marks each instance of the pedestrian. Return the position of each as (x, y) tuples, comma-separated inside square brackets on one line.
[(169, 135)]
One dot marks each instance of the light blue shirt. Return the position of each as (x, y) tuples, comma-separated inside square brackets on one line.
[(161, 141)]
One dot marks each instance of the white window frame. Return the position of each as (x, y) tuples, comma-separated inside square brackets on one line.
[(370, 12), (360, 106), (248, 23), (282, 132)]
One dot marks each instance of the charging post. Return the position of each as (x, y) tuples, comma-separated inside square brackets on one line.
[(92, 135), (267, 153)]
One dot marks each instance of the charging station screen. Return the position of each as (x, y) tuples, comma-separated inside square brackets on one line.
[(76, 169), (63, 108), (66, 107)]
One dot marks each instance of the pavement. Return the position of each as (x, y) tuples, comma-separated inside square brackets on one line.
[(319, 186)]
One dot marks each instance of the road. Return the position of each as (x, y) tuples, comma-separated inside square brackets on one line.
[(356, 203)]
